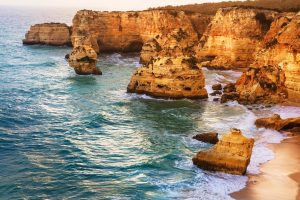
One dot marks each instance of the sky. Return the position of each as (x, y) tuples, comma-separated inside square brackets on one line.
[(102, 4)]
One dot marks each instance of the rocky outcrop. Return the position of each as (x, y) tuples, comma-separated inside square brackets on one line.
[(233, 37), (55, 34), (169, 77), (274, 76), (231, 154), (275, 122), (211, 137), (83, 57), (128, 31), (176, 43), (262, 85)]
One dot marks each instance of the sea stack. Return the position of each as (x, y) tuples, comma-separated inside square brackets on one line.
[(55, 34), (230, 155), (170, 70)]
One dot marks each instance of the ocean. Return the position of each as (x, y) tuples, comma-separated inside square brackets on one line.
[(64, 136)]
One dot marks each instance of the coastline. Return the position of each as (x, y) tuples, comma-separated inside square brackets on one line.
[(279, 178)]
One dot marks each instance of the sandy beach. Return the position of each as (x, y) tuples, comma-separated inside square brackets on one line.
[(279, 178)]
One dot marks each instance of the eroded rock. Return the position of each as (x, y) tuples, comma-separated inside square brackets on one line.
[(233, 37), (230, 155), (275, 122), (211, 137), (56, 34), (169, 77)]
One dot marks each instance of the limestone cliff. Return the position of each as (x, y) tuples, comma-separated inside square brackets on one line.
[(275, 74), (55, 34), (233, 37), (128, 31)]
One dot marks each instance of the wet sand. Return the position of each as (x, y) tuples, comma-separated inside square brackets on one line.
[(279, 178)]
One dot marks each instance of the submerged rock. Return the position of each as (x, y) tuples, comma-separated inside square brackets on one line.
[(230, 155), (275, 122), (55, 34), (211, 137)]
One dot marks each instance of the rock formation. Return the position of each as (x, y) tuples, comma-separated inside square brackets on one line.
[(128, 31), (262, 85), (274, 76), (231, 154), (169, 77), (83, 57), (169, 68), (233, 37), (275, 122), (211, 137), (55, 34)]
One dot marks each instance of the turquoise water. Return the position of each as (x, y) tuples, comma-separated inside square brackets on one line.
[(64, 136)]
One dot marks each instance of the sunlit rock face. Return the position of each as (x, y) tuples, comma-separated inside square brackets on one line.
[(55, 34), (128, 31), (83, 57), (169, 77), (233, 37), (230, 155), (169, 68), (275, 74), (275, 122), (177, 43)]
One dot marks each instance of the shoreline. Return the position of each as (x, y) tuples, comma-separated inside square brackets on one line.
[(279, 177)]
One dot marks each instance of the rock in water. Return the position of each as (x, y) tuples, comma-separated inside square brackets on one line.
[(83, 57), (170, 71), (55, 34), (230, 155), (217, 87), (275, 122), (211, 138), (169, 77)]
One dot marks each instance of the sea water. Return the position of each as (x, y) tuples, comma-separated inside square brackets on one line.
[(64, 136)]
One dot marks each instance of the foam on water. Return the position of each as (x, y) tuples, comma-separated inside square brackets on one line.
[(69, 136)]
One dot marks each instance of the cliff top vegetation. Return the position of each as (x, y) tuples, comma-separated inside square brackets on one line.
[(211, 8)]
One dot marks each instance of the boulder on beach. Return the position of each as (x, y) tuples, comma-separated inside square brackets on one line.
[(230, 155), (211, 137), (275, 122)]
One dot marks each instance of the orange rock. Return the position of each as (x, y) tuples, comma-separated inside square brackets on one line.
[(275, 122), (230, 155), (169, 77), (233, 37), (55, 34)]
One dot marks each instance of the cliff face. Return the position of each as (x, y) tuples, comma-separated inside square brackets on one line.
[(128, 31), (55, 34), (281, 55), (233, 37)]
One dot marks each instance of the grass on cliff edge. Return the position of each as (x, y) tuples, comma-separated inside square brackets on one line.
[(211, 8)]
